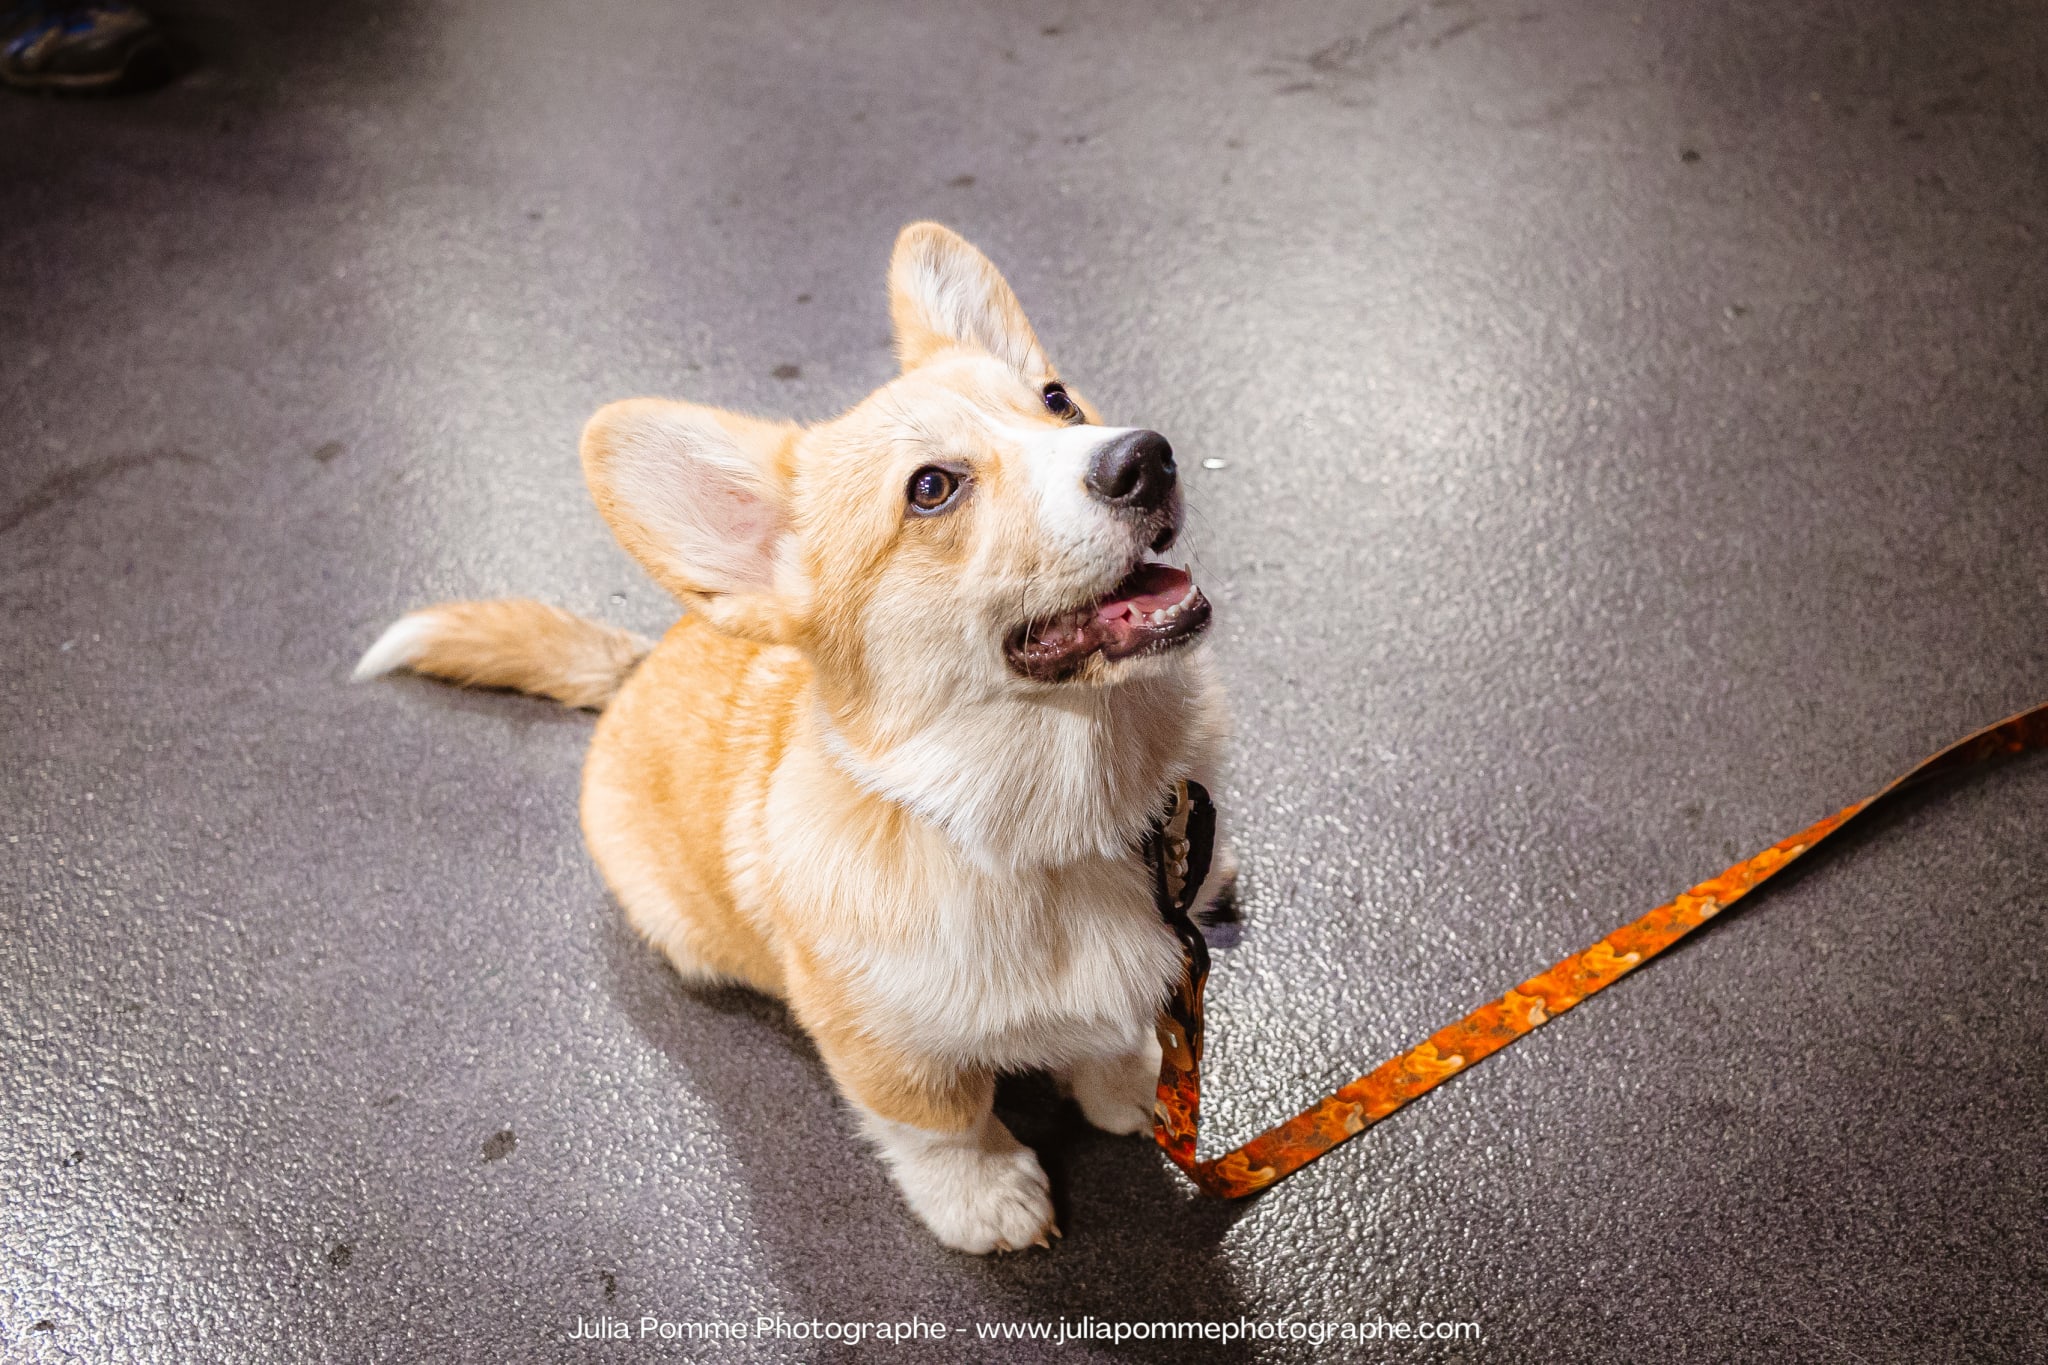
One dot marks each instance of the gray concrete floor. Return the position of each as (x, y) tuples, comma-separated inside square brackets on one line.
[(1634, 422)]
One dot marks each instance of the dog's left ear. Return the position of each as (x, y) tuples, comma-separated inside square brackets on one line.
[(943, 293)]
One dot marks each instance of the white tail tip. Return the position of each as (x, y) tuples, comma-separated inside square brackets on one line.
[(400, 646)]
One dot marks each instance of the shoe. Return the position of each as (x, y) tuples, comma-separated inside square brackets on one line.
[(80, 46)]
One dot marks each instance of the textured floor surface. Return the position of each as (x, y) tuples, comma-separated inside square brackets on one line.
[(1632, 422)]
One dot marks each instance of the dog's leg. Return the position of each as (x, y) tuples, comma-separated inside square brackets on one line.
[(978, 1189), (1115, 1091), (974, 1185), (1222, 878)]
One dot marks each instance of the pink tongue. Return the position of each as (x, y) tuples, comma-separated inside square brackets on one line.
[(1150, 588)]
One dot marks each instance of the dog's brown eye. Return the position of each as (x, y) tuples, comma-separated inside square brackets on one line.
[(1058, 402), (932, 488)]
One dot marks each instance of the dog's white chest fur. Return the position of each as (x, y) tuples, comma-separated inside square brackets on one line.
[(1031, 969), (1027, 950)]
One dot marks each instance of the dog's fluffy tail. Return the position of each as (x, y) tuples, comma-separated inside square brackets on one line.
[(524, 645)]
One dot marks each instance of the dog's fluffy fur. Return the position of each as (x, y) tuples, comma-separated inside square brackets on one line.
[(830, 783)]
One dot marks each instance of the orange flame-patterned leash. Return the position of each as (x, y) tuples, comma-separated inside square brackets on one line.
[(1179, 849)]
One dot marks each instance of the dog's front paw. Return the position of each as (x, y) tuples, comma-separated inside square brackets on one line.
[(978, 1191), (1116, 1093), (985, 1202)]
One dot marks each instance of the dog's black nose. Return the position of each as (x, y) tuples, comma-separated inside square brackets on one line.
[(1135, 470)]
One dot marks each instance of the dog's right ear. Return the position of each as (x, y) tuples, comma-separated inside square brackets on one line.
[(698, 496), (944, 293)]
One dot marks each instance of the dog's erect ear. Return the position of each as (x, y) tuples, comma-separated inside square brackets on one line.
[(942, 292), (698, 496)]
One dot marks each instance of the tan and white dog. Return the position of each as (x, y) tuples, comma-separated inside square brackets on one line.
[(895, 763)]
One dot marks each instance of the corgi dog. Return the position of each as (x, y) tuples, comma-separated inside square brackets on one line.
[(895, 763)]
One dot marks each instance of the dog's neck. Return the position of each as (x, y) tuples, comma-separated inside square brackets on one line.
[(1018, 783)]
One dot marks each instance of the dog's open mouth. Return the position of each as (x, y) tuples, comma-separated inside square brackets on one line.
[(1157, 607)]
